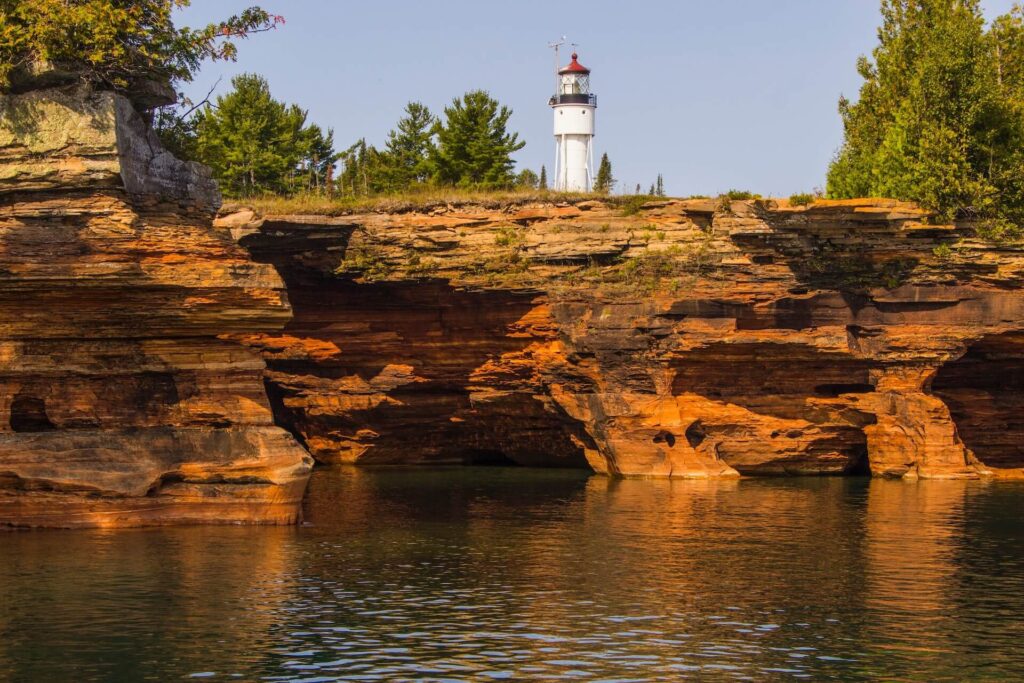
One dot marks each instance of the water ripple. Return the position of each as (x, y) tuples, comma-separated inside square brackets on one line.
[(468, 575)]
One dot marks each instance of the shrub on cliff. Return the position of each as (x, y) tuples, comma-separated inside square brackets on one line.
[(940, 118), (126, 45)]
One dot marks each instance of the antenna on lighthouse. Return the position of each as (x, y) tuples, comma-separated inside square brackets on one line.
[(558, 65)]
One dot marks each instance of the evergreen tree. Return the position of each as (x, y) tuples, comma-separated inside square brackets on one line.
[(659, 189), (604, 183), (935, 121), (474, 147), (317, 159), (543, 183), (650, 192), (637, 189), (409, 148), (256, 144), (364, 171)]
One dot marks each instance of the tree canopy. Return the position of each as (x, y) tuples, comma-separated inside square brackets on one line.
[(474, 147), (256, 144), (469, 147), (940, 118), (116, 43), (409, 147)]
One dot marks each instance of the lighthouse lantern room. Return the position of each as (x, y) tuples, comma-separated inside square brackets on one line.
[(574, 108)]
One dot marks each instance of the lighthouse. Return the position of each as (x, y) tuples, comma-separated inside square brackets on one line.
[(574, 107)]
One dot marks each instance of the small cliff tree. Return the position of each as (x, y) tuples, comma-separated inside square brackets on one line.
[(604, 183), (543, 183), (474, 147), (659, 187)]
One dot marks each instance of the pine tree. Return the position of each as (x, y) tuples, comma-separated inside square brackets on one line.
[(604, 183), (409, 148), (935, 121), (637, 189), (317, 159), (650, 192), (365, 171), (256, 144), (543, 184), (474, 148), (659, 189)]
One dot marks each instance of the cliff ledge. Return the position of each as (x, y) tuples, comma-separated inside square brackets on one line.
[(683, 338), (124, 401)]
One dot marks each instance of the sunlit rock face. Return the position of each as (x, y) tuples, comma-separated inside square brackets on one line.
[(692, 338), (123, 401)]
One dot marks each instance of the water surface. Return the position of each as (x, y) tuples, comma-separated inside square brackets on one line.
[(481, 574)]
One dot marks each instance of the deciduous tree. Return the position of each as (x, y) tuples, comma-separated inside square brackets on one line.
[(119, 44), (936, 121)]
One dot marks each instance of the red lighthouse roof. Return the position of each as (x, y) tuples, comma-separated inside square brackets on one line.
[(574, 67)]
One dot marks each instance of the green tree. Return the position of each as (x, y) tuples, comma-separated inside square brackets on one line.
[(543, 182), (527, 180), (659, 187), (1008, 38), (257, 144), (119, 44), (316, 159), (474, 147), (365, 171), (604, 183), (934, 122), (409, 148)]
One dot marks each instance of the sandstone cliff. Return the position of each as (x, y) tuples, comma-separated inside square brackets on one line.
[(124, 401), (678, 338)]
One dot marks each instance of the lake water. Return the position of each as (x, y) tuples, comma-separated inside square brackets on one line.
[(481, 574)]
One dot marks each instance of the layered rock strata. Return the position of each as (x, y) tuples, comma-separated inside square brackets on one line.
[(692, 338), (123, 400)]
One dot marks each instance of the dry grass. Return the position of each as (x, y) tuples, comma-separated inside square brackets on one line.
[(417, 200)]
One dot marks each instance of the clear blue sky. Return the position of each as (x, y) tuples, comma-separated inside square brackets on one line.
[(713, 94)]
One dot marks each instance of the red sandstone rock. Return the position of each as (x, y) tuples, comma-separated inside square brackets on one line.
[(123, 400), (685, 340)]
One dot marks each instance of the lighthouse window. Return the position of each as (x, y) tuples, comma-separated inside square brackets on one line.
[(584, 112)]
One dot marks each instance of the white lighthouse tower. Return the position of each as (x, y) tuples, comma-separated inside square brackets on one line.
[(574, 106)]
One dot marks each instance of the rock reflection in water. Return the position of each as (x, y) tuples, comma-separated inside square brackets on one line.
[(471, 574)]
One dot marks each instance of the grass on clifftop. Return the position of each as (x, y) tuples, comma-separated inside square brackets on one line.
[(407, 201), (321, 205)]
